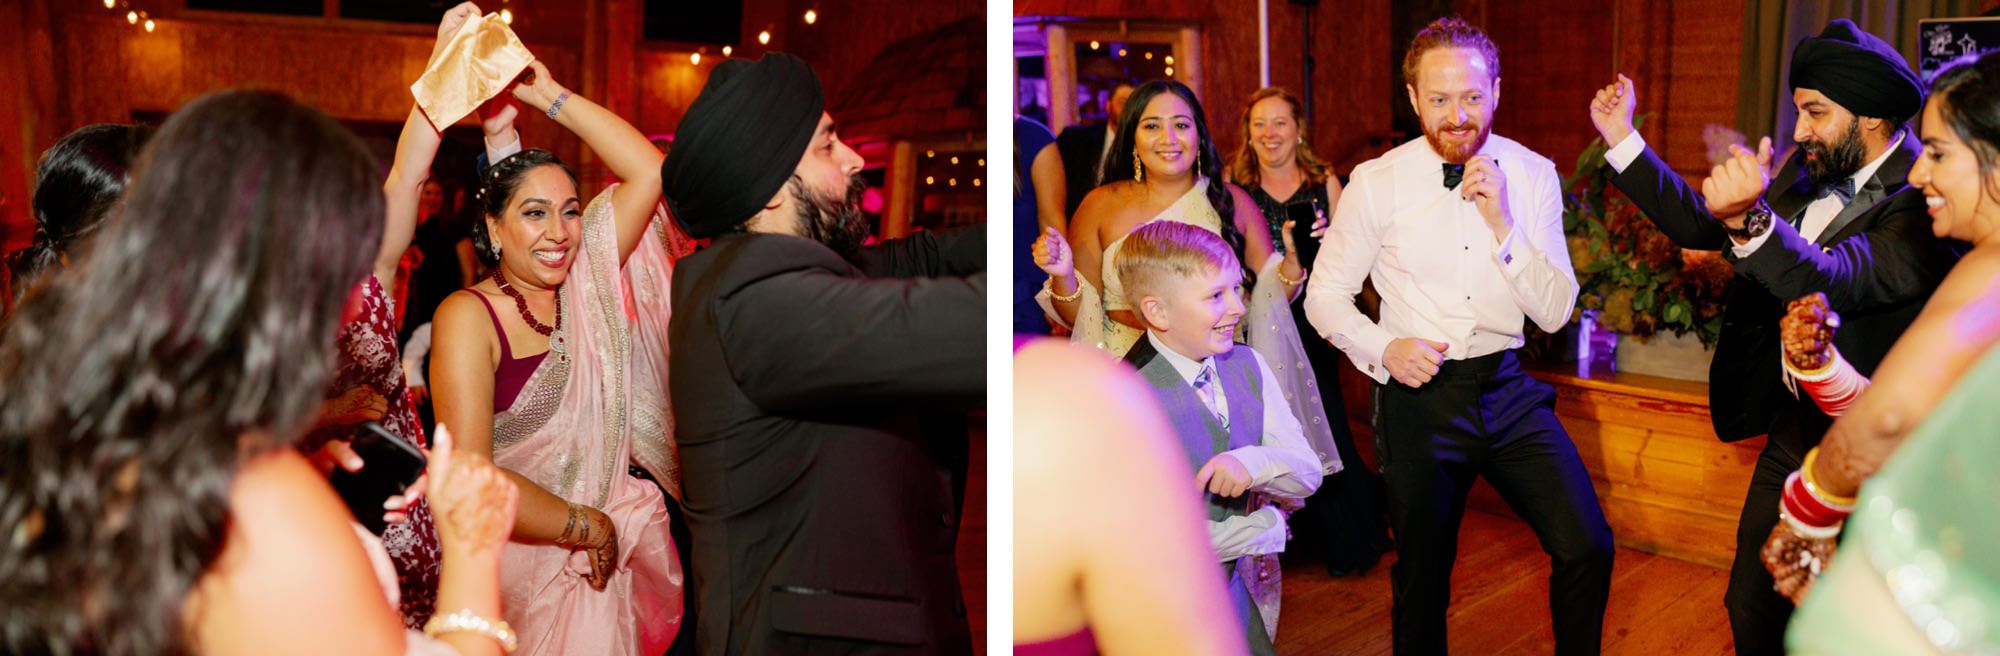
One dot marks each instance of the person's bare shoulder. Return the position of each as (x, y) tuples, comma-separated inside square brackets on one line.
[(288, 532), (1074, 390), (1113, 203)]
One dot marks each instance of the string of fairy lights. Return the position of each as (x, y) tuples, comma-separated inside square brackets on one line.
[(133, 15), (1122, 52), (811, 17), (938, 172), (140, 17)]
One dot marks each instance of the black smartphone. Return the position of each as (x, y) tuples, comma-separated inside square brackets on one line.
[(1303, 216), (388, 467)]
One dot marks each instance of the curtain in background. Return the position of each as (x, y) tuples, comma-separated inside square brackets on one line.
[(1771, 28)]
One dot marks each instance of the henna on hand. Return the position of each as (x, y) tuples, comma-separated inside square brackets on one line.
[(1795, 561), (1807, 332)]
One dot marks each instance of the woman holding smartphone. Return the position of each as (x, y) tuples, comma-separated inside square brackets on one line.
[(1342, 523)]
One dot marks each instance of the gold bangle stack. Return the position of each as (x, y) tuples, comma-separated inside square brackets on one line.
[(466, 621), (1813, 487)]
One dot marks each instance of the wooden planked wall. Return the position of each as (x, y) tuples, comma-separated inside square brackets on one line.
[(1555, 55), (1350, 43)]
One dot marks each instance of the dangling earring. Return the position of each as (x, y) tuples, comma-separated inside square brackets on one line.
[(1138, 169)]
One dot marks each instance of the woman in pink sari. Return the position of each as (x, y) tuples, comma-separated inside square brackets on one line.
[(556, 363)]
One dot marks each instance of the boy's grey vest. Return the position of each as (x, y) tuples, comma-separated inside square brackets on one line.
[(1202, 437)]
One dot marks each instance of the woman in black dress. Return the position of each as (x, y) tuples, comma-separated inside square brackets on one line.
[(1342, 523)]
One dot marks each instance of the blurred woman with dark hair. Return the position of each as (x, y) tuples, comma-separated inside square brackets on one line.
[(153, 496), (77, 185)]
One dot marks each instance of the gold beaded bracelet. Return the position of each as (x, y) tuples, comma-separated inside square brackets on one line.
[(466, 621)]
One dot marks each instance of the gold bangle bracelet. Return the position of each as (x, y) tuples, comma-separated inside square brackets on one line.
[(1071, 298), (1815, 488), (1303, 273), (466, 621)]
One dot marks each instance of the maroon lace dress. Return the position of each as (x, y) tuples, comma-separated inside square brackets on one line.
[(369, 356)]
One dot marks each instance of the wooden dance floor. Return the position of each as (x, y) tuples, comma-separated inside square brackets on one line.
[(1499, 601)]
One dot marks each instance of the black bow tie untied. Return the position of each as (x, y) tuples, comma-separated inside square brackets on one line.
[(1453, 174)]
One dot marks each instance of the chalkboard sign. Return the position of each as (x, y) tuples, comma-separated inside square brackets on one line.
[(1941, 40)]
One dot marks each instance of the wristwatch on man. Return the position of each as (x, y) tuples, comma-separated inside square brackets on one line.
[(1755, 223)]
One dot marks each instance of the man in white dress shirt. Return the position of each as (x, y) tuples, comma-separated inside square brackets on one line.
[(1462, 233)]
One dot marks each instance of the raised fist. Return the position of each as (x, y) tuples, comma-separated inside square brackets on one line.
[(1611, 110), (1807, 332)]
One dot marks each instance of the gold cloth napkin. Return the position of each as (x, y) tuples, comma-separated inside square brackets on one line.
[(476, 65)]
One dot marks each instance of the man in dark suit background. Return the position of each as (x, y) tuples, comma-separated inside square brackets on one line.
[(1086, 146), (823, 512), (1837, 218)]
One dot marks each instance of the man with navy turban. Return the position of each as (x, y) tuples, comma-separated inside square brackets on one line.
[(1836, 218), (822, 503)]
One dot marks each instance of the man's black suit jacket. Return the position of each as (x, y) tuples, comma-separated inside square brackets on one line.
[(1081, 146), (823, 515), (1877, 262)]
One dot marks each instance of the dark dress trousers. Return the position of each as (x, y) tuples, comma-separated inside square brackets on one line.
[(823, 513), (1877, 262)]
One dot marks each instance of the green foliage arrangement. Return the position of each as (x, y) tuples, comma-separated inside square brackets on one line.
[(1636, 279)]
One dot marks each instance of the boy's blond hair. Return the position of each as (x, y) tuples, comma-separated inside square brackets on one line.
[(1163, 251)]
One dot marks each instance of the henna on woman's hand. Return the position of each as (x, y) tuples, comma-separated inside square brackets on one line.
[(603, 552), (1807, 332), (1795, 561)]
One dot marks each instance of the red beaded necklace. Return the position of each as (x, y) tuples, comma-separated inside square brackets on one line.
[(521, 303)]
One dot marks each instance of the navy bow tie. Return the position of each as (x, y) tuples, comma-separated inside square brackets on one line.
[(1843, 188), (1453, 174)]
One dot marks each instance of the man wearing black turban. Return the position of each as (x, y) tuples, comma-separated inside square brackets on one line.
[(1837, 218), (823, 514)]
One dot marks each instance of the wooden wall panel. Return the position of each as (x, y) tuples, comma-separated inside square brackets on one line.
[(1682, 56), (668, 84), (1702, 77), (1551, 62), (1555, 56), (1135, 9), (1350, 44), (73, 66), (27, 112), (850, 33)]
